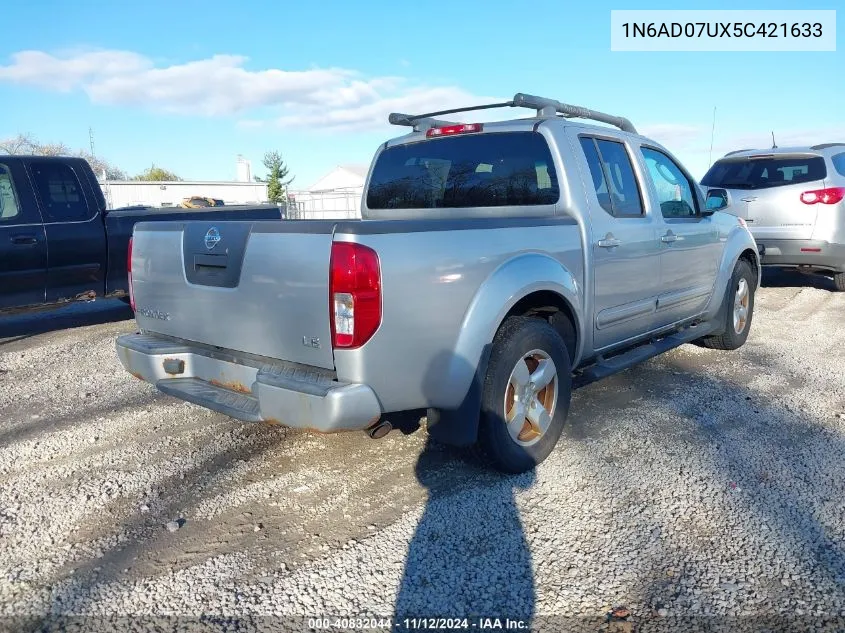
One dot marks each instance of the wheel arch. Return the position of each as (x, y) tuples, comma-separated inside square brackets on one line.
[(532, 284)]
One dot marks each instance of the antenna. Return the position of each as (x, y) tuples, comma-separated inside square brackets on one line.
[(712, 133), (774, 145), (91, 139)]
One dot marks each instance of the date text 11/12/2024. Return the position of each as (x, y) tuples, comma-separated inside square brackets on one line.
[(418, 624)]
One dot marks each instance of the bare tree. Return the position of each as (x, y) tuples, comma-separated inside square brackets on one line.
[(51, 149), (27, 144), (20, 144)]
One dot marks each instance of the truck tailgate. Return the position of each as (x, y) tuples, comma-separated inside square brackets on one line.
[(256, 287)]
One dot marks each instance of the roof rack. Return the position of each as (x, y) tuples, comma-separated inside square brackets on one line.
[(545, 108), (826, 145)]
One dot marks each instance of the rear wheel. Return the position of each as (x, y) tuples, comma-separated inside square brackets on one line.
[(526, 395), (839, 281), (738, 311)]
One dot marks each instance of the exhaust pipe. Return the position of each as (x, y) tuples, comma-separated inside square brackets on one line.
[(380, 429)]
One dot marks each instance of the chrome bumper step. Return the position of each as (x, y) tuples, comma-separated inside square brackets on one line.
[(236, 405)]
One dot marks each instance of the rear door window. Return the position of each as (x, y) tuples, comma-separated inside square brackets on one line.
[(480, 170), (613, 177), (764, 173), (59, 192)]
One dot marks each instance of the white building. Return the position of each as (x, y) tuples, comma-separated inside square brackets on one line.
[(126, 193), (244, 169), (336, 195)]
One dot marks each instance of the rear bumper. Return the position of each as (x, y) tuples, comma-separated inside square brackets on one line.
[(249, 388), (802, 253)]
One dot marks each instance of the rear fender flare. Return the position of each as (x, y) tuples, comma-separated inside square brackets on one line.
[(456, 419)]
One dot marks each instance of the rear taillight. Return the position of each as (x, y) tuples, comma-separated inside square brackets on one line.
[(129, 273), (451, 130), (354, 294), (831, 195)]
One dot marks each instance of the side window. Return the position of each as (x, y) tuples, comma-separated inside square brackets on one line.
[(674, 190), (9, 207), (613, 177), (597, 172), (624, 192), (839, 164), (59, 192)]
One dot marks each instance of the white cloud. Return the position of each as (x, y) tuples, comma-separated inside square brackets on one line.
[(43, 70), (222, 85), (374, 113)]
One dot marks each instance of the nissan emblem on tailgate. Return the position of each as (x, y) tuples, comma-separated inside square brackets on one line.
[(212, 237)]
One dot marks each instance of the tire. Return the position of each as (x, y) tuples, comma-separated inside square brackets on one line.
[(839, 281), (736, 329), (519, 348)]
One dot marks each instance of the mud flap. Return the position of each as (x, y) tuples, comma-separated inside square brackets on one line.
[(459, 427)]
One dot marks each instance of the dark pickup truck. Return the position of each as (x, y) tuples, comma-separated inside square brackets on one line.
[(59, 242)]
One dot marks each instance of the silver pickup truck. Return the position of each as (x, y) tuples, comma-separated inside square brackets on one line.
[(497, 267)]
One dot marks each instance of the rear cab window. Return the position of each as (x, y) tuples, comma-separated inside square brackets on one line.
[(492, 169), (764, 172), (59, 192)]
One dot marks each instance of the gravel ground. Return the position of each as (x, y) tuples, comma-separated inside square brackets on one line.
[(700, 489)]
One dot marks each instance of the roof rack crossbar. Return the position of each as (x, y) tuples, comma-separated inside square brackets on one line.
[(544, 107), (420, 122)]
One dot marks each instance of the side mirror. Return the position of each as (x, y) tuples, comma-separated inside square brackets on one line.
[(717, 200)]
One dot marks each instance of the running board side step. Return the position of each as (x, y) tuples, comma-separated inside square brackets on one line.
[(613, 365)]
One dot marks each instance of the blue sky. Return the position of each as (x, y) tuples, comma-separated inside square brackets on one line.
[(190, 85)]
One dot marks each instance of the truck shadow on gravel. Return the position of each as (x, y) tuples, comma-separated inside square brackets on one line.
[(779, 469), (469, 556)]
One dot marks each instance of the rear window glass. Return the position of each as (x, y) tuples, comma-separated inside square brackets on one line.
[(482, 170), (839, 164), (59, 192), (762, 173)]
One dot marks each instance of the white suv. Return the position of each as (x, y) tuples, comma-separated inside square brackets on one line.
[(793, 199)]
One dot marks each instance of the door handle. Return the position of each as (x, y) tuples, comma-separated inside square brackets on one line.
[(749, 199), (24, 239), (609, 242), (669, 238)]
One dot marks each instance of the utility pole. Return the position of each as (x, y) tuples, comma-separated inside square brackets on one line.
[(91, 139), (712, 135)]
